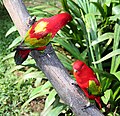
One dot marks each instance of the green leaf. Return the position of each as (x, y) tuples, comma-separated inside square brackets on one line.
[(117, 98), (91, 24), (109, 55), (57, 110), (14, 68), (116, 36), (105, 74), (11, 30), (31, 75), (115, 47), (103, 38), (116, 93), (84, 4), (74, 8), (69, 46), (100, 8), (107, 2), (115, 17), (83, 27), (50, 99), (117, 63), (15, 42), (84, 53), (106, 96), (41, 88), (116, 9), (37, 82), (11, 55), (65, 60), (36, 91), (117, 74), (65, 5), (46, 85), (35, 96)]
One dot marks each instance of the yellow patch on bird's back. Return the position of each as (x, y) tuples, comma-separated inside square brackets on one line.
[(94, 88), (41, 27), (35, 43)]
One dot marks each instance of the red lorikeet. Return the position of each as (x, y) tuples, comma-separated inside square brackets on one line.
[(87, 81), (40, 34)]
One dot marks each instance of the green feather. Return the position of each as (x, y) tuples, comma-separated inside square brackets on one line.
[(93, 88), (35, 43)]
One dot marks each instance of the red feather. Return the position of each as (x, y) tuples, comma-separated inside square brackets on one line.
[(83, 75), (53, 25)]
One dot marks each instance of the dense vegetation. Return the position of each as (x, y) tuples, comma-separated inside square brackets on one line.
[(93, 37)]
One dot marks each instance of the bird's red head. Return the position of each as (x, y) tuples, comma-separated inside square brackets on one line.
[(78, 65)]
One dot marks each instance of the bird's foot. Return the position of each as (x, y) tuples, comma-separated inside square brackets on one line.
[(73, 82), (88, 106), (31, 20)]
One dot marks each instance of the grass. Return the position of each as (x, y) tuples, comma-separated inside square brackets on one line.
[(11, 96)]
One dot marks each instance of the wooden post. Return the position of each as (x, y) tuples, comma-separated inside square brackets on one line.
[(51, 66)]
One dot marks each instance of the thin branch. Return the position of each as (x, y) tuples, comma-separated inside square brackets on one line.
[(51, 66)]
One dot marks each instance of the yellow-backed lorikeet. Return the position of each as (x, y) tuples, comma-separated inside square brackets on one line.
[(40, 34)]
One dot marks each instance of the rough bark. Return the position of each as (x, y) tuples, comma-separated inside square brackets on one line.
[(51, 66)]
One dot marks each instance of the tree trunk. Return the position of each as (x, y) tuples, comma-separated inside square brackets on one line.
[(51, 66)]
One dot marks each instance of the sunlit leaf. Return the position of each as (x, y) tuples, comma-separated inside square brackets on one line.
[(74, 8), (46, 85), (41, 89), (11, 30), (115, 47), (57, 110), (91, 24), (115, 17), (117, 74), (84, 4), (116, 9), (103, 38), (50, 99), (100, 8), (14, 68), (106, 96), (31, 75), (111, 54), (116, 93), (15, 42), (37, 82), (35, 96), (11, 55)]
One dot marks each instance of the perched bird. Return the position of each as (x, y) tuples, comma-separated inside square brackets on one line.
[(87, 81), (40, 34)]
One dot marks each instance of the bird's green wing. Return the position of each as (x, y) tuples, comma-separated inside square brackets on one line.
[(35, 43), (93, 88)]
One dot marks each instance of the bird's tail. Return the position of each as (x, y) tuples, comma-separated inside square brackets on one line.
[(98, 101), (22, 53)]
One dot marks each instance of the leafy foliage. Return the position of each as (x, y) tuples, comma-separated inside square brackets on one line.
[(99, 34), (93, 36)]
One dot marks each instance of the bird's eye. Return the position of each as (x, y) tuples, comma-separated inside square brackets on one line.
[(75, 70)]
